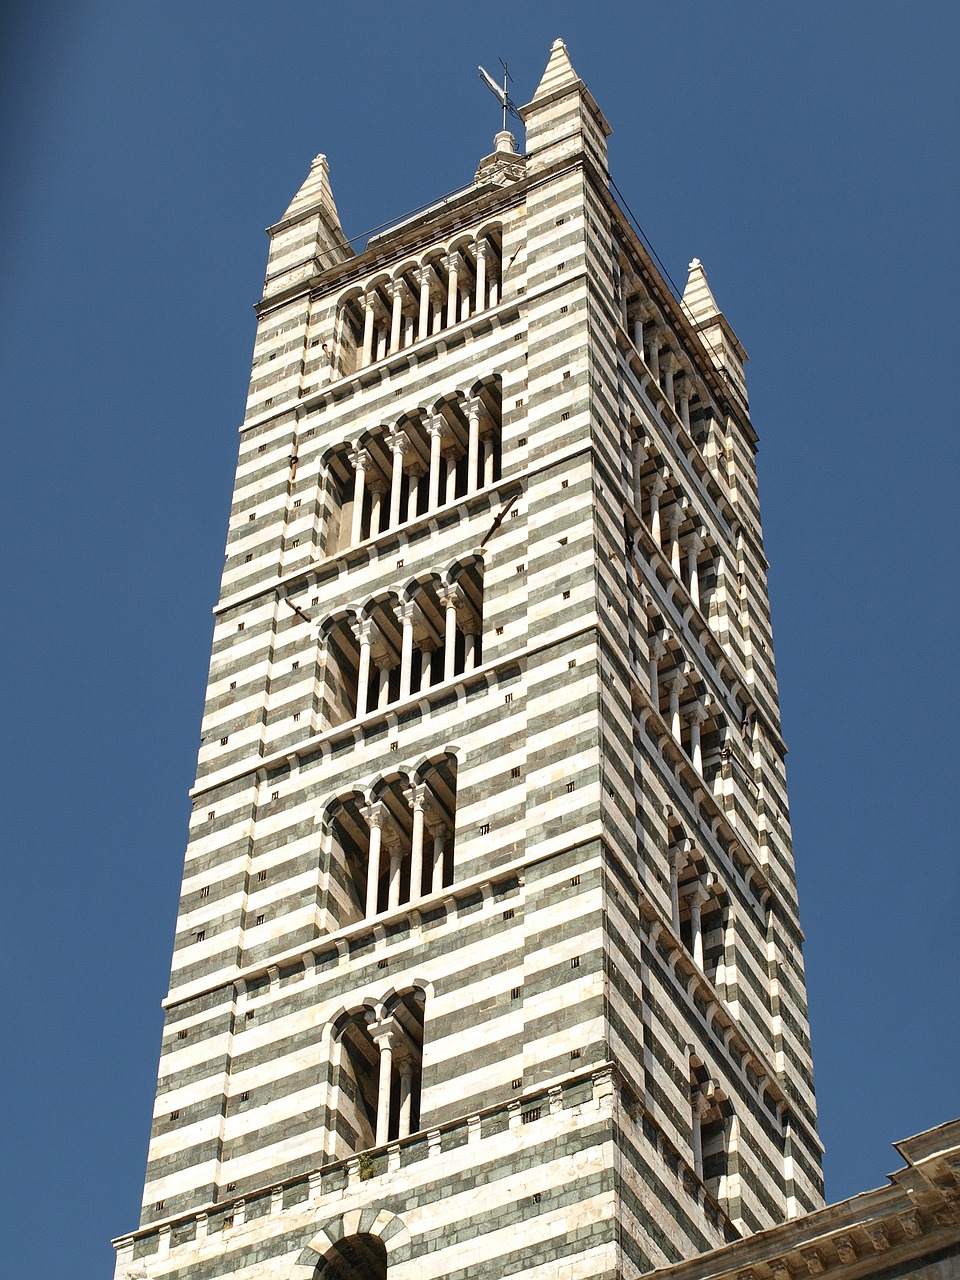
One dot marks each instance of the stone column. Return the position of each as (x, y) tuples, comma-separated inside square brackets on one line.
[(675, 686), (436, 425), (374, 814), (363, 630), (426, 667), (674, 521), (678, 860), (638, 455), (406, 1096), (419, 800), (656, 488), (451, 458), (451, 600), (697, 896), (638, 333), (696, 716), (669, 365), (438, 832), (384, 667), (425, 281), (361, 460), (653, 355), (414, 476), (452, 264), (384, 1036), (407, 613), (472, 408), (399, 444), (470, 646), (700, 1106), (694, 545), (481, 249), (487, 456), (398, 295), (395, 851), (687, 391), (369, 316), (377, 489), (658, 651)]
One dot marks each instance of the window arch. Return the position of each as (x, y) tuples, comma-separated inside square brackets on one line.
[(377, 1072)]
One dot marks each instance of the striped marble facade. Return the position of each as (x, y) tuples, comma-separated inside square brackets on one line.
[(491, 782)]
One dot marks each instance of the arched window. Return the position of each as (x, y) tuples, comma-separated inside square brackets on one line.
[(378, 1069), (713, 1131), (361, 1257), (394, 849)]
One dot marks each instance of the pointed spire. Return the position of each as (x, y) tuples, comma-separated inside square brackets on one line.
[(698, 298), (562, 118), (315, 191), (559, 73), (295, 256), (722, 344)]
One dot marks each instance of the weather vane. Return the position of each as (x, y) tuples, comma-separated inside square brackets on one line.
[(501, 95)]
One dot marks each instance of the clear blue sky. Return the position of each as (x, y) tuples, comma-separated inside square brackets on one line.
[(806, 152)]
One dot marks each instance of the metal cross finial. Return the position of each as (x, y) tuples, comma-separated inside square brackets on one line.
[(501, 95)]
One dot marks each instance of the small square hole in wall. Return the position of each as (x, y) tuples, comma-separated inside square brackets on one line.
[(566, 374), (571, 786), (508, 698), (382, 964), (159, 1205), (398, 392), (516, 1084), (521, 568), (252, 515), (245, 1096), (260, 919), (509, 913), (564, 310), (205, 891), (574, 1053), (295, 542), (515, 993), (522, 441), (211, 813), (261, 876), (233, 684), (561, 266), (521, 289), (518, 404), (566, 595), (241, 625), (564, 484), (565, 416), (518, 337), (247, 558), (200, 935), (297, 501), (515, 771), (574, 962), (174, 1115), (314, 342), (499, 631), (315, 600), (575, 880), (572, 662), (563, 542), (224, 741), (514, 513), (399, 564), (394, 746), (231, 1186), (274, 795), (262, 449), (528, 1117), (294, 666), (250, 1015), (296, 715), (182, 1035), (483, 829), (559, 222)]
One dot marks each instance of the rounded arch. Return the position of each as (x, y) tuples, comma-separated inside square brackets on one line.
[(374, 1221)]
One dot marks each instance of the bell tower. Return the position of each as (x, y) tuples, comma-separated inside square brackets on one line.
[(488, 960)]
